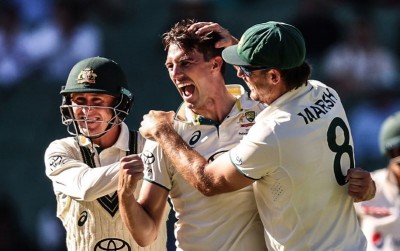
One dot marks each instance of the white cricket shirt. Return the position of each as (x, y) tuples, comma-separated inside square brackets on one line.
[(298, 152), (223, 222), (87, 201)]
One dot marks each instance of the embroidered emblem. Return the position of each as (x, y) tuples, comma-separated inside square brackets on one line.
[(250, 116), (87, 76)]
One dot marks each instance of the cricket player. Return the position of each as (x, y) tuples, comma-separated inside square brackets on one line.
[(212, 119), (298, 155), (380, 217), (84, 168)]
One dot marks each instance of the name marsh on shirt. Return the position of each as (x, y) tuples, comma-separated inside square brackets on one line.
[(322, 106)]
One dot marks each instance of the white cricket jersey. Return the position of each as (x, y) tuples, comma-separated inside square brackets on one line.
[(298, 152), (382, 232), (223, 222), (87, 201)]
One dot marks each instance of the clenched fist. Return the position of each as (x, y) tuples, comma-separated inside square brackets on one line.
[(130, 172), (361, 185)]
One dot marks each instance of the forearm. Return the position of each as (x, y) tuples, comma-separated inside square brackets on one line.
[(139, 223), (83, 183), (187, 162)]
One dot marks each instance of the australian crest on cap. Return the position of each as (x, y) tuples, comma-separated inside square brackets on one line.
[(86, 76)]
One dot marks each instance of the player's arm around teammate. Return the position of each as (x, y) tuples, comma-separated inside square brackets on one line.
[(360, 184), (159, 124)]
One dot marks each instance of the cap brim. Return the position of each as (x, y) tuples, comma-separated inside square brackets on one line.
[(230, 56)]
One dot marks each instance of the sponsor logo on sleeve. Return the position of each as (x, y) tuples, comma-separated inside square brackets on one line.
[(56, 161)]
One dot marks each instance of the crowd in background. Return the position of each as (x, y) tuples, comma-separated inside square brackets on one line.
[(354, 46), (44, 40)]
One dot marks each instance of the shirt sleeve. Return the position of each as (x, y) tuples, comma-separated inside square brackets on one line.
[(71, 176), (156, 165), (257, 154)]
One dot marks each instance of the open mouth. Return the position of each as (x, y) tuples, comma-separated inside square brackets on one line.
[(187, 90)]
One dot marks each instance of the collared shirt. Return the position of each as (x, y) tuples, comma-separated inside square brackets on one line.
[(87, 201), (223, 222), (298, 152)]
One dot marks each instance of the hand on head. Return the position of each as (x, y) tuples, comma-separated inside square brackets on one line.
[(208, 27), (155, 122)]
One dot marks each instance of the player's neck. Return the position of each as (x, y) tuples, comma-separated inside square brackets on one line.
[(217, 108), (109, 138)]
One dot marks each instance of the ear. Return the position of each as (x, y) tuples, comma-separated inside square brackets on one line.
[(217, 62), (275, 76)]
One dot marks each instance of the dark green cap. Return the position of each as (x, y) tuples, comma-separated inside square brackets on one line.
[(389, 136), (270, 44), (96, 75)]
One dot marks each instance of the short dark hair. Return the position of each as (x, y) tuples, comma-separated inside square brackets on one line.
[(189, 40), (296, 77)]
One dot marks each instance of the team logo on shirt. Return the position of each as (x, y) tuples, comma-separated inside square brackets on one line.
[(112, 244), (247, 120), (250, 115)]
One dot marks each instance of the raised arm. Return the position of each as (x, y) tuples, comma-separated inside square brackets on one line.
[(217, 177), (143, 216), (206, 27)]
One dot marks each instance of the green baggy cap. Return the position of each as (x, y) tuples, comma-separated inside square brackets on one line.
[(271, 44)]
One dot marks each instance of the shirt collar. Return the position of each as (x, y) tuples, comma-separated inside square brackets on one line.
[(243, 102), (123, 139), (286, 97)]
